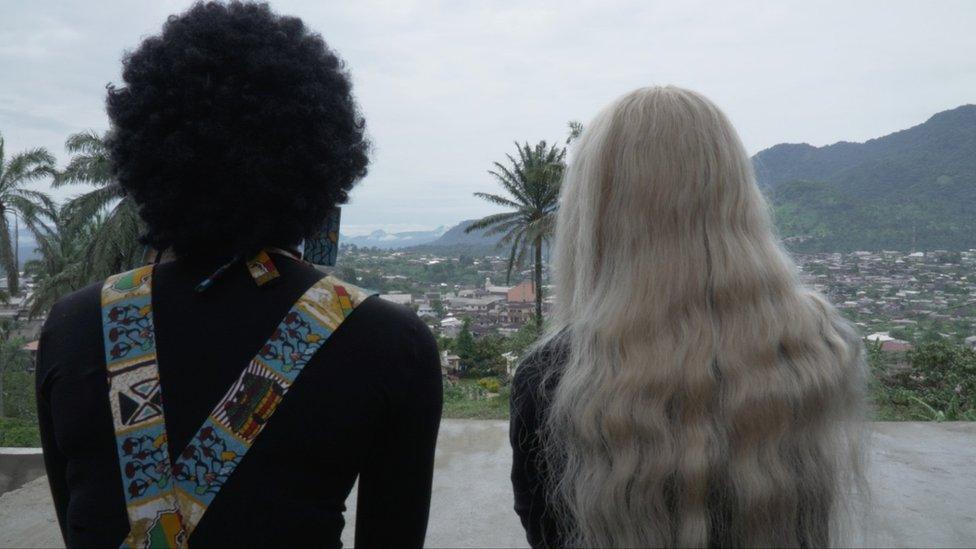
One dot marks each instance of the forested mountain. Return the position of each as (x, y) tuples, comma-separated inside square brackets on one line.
[(911, 189)]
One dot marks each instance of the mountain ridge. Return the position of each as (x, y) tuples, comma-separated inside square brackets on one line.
[(914, 188)]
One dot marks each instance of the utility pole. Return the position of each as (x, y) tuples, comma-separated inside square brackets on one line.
[(914, 233)]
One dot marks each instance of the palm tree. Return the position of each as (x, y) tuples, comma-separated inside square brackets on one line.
[(575, 131), (61, 268), (532, 182), (24, 204), (115, 245)]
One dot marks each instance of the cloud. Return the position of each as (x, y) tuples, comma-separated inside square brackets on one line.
[(448, 86)]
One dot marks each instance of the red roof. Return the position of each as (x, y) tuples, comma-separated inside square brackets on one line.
[(524, 292), (896, 346)]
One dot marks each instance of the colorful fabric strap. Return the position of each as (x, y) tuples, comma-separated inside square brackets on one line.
[(165, 501)]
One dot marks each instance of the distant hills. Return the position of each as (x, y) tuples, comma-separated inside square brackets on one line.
[(457, 236), (382, 239), (441, 239), (912, 189)]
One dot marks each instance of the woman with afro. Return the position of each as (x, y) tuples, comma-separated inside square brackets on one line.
[(233, 395)]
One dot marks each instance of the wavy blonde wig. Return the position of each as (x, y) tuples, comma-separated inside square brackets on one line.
[(706, 396)]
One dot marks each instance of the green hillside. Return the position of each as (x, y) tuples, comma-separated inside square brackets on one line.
[(913, 189)]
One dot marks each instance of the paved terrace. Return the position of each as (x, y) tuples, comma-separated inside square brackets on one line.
[(923, 478)]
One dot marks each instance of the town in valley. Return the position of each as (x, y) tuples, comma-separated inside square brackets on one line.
[(897, 298)]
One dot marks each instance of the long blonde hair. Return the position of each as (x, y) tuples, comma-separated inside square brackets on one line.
[(706, 397)]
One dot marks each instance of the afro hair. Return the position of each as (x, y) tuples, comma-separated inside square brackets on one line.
[(235, 129)]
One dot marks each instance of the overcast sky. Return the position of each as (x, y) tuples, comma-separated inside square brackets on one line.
[(447, 86)]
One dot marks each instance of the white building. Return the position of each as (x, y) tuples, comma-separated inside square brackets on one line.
[(451, 326), (400, 299), (426, 311), (511, 363)]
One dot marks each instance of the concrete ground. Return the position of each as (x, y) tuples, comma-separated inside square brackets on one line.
[(923, 479)]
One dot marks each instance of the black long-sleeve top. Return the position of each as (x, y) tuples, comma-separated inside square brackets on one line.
[(367, 405), (532, 387)]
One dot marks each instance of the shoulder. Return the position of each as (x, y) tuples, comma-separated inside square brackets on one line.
[(78, 306), (378, 313), (391, 332), (394, 319), (536, 378), (541, 365), (72, 329)]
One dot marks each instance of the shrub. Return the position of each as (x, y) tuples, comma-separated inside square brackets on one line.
[(939, 385), (19, 433), (490, 384)]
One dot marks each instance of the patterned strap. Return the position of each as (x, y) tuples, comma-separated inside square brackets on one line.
[(166, 501)]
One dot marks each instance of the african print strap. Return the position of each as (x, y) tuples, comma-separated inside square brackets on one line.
[(166, 501)]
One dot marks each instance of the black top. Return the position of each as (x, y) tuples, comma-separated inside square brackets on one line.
[(368, 404), (529, 472)]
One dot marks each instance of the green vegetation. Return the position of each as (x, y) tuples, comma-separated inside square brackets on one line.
[(938, 384), (467, 399), (63, 263), (82, 241), (490, 384), (412, 271), (18, 411), (817, 217), (913, 189), (19, 433), (481, 357), (24, 204), (112, 242), (532, 181), (935, 382)]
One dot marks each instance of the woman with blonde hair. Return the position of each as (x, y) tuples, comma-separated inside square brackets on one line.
[(690, 390)]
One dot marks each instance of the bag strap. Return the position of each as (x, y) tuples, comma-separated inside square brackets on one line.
[(166, 501)]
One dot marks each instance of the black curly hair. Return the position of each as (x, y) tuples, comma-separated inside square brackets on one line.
[(236, 129)]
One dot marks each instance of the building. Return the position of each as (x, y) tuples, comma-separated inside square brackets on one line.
[(511, 363), (426, 311), (896, 346), (450, 363), (451, 326), (518, 313), (496, 290), (472, 304), (400, 299), (523, 293)]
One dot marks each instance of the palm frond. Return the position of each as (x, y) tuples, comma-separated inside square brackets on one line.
[(503, 227), (83, 208), (495, 199), (7, 258), (490, 220), (27, 166), (516, 239), (90, 164), (38, 199), (87, 142)]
